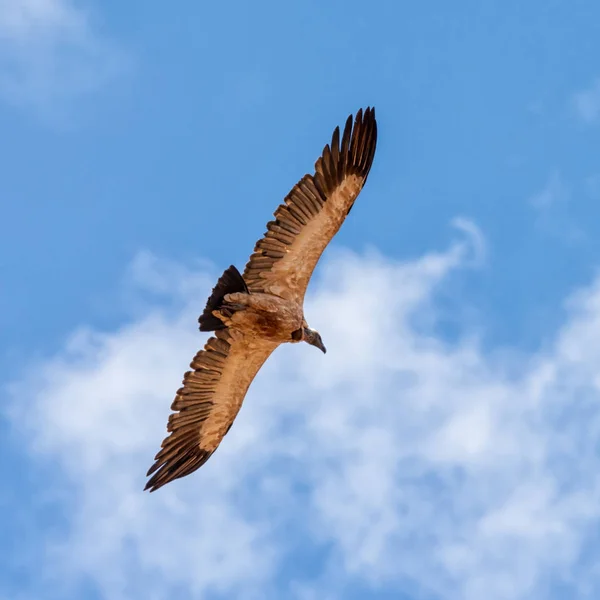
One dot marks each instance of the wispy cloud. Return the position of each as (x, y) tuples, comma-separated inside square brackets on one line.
[(401, 460), (50, 51), (587, 103), (553, 207), (554, 192)]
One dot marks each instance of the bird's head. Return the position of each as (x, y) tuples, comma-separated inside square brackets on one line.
[(313, 337)]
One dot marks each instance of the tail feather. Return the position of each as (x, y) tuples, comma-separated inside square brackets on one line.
[(230, 282)]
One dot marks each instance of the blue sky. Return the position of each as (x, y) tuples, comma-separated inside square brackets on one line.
[(446, 446)]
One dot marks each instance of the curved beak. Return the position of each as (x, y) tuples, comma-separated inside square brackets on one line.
[(320, 346)]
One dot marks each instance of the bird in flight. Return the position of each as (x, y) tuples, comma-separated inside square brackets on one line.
[(252, 313)]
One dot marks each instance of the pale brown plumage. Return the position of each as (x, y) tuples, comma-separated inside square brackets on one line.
[(253, 314)]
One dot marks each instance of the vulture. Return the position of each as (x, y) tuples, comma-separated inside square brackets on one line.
[(252, 313)]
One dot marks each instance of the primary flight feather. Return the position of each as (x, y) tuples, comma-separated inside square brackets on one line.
[(253, 313)]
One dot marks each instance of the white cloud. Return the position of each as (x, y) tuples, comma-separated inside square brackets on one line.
[(401, 459), (553, 205), (587, 102), (554, 192), (50, 51)]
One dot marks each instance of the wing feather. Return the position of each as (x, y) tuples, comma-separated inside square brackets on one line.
[(207, 403), (312, 213)]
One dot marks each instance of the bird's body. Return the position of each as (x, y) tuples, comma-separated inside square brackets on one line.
[(252, 314), (263, 316)]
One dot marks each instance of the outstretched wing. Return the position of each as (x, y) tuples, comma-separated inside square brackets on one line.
[(312, 213), (208, 403)]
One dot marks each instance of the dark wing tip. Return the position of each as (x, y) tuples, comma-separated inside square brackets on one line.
[(181, 453), (185, 463), (355, 151), (363, 141), (351, 153)]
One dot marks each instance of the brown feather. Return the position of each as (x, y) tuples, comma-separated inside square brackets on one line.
[(273, 254), (270, 244), (304, 203), (301, 214), (283, 232), (283, 214), (207, 405), (335, 155), (304, 193), (308, 185), (340, 173)]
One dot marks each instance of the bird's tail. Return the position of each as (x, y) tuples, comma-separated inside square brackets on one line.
[(230, 282)]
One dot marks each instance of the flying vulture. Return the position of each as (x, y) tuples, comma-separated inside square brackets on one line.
[(253, 313)]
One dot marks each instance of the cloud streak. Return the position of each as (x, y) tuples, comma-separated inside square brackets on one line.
[(50, 52), (554, 206), (587, 103), (401, 461)]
